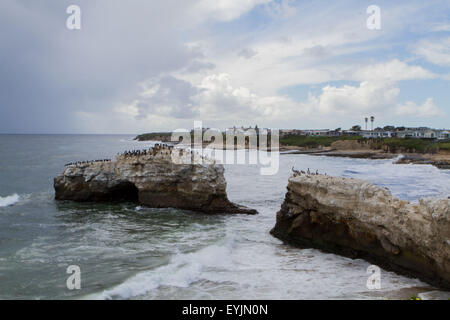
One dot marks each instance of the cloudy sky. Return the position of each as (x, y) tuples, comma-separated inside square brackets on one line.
[(140, 66)]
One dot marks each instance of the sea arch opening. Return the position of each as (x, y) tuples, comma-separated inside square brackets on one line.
[(124, 191)]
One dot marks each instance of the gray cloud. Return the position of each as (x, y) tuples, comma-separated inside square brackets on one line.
[(316, 52), (197, 65), (168, 96), (48, 72), (247, 53)]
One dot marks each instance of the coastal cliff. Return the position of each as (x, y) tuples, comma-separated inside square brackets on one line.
[(151, 178), (357, 219)]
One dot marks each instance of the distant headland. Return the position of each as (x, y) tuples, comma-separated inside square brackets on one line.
[(420, 145)]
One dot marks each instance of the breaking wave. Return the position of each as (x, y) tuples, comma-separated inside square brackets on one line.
[(397, 158), (9, 200), (183, 270)]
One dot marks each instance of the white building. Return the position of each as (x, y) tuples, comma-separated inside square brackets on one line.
[(322, 132), (444, 135), (419, 133), (376, 134)]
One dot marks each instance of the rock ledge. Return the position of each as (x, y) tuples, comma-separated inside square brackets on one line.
[(152, 179), (357, 219)]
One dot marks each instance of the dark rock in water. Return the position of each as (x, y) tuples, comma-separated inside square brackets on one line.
[(160, 178), (360, 220)]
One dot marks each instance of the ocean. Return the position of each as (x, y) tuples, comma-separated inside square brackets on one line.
[(127, 251)]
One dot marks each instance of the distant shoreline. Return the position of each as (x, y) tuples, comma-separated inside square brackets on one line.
[(440, 160), (415, 151)]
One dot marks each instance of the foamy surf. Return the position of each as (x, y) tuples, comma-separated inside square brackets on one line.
[(9, 200), (181, 272), (397, 158)]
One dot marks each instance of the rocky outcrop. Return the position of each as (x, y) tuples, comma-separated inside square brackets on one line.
[(155, 178), (360, 220), (155, 136), (439, 161), (351, 145)]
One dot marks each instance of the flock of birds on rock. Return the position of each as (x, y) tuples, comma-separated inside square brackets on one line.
[(308, 172), (133, 153), (86, 162), (130, 153), (152, 150)]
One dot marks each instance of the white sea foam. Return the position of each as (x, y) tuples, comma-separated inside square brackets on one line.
[(181, 272), (149, 142), (288, 274), (9, 200), (397, 158)]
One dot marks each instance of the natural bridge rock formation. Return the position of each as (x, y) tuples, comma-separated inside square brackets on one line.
[(360, 220), (153, 179)]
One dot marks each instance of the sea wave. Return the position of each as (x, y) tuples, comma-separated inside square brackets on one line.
[(183, 269), (9, 200), (132, 140), (397, 158)]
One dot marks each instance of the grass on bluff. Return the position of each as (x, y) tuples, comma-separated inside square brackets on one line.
[(313, 141), (150, 136), (445, 145), (407, 145), (413, 145), (389, 144)]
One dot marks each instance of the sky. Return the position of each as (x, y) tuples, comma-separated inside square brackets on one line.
[(144, 66)]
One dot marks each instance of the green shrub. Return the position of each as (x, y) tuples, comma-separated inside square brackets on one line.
[(445, 145), (313, 141), (150, 136), (409, 145)]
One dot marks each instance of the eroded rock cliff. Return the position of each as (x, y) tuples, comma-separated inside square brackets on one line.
[(153, 179), (360, 220)]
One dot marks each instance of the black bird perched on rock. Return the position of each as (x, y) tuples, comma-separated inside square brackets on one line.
[(296, 172)]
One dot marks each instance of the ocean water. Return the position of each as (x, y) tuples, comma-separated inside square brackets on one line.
[(126, 251)]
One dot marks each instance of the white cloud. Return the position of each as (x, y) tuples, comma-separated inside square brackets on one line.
[(250, 70), (226, 10), (436, 51), (394, 70), (219, 103), (130, 110), (369, 96), (219, 99), (441, 27), (426, 110), (236, 78), (215, 99), (292, 51), (310, 47)]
